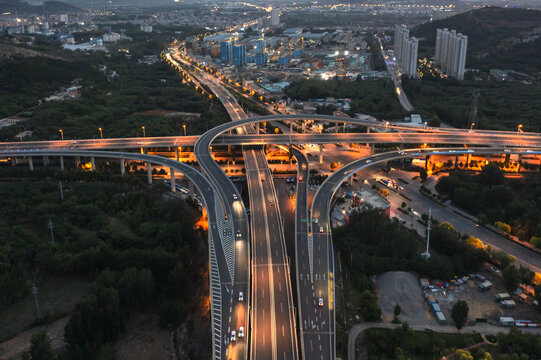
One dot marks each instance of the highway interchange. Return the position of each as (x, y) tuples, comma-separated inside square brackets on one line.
[(248, 254)]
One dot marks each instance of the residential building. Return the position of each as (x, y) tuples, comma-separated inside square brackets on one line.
[(275, 16), (226, 51), (406, 51), (451, 49), (239, 54)]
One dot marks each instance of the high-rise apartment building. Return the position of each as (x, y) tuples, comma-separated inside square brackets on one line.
[(406, 50), (239, 54), (275, 16), (451, 49), (226, 51)]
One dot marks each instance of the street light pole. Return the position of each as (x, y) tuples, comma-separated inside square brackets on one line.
[(519, 129), (471, 127), (184, 127), (101, 133), (61, 134), (144, 133)]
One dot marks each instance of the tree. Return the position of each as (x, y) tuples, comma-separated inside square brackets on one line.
[(423, 175), (403, 205), (40, 348), (463, 355), (369, 307), (511, 278), (397, 310), (492, 175), (502, 226), (460, 313)]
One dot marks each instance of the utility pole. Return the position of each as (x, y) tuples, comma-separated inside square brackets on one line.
[(35, 292), (61, 192), (50, 225), (427, 254)]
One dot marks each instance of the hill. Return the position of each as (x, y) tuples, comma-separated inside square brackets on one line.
[(508, 38), (48, 7)]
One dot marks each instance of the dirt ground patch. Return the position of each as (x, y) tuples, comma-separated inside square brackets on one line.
[(402, 288), (13, 348), (144, 339), (57, 297)]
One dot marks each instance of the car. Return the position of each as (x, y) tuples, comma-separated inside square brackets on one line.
[(320, 302), (321, 230), (309, 233), (238, 234), (235, 197), (233, 336), (241, 332), (300, 178), (315, 220), (271, 203), (368, 161), (429, 329), (241, 296)]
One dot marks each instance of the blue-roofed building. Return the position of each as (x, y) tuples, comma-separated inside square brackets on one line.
[(259, 46), (284, 60)]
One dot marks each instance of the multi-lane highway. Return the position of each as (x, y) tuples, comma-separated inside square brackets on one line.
[(272, 331)]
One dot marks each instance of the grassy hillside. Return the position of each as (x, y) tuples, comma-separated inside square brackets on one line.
[(508, 38)]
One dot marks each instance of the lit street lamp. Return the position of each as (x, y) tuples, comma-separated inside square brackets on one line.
[(519, 128), (144, 132), (184, 127), (101, 133), (471, 127), (61, 134), (386, 124)]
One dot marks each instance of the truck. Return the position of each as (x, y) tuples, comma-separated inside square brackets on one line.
[(508, 304), (485, 285), (507, 321), (502, 296), (440, 317)]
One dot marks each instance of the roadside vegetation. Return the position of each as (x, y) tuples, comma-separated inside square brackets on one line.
[(138, 250), (372, 97), (119, 94), (511, 204), (403, 343)]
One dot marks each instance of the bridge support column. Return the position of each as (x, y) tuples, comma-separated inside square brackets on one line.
[(92, 164), (303, 126), (142, 150), (456, 162), (488, 159), (372, 148), (190, 186), (45, 161), (13, 161), (368, 132), (149, 173), (427, 158), (350, 180), (320, 154), (468, 160), (77, 161), (177, 155), (173, 187), (122, 167), (519, 162), (61, 163), (337, 126), (291, 126), (30, 163)]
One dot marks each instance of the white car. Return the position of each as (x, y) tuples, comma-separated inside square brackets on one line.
[(235, 197), (241, 298), (241, 332), (233, 336), (321, 230), (320, 302)]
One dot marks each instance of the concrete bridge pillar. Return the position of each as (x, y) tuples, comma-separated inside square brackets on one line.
[(372, 148), (45, 161), (149, 173), (173, 187), (177, 155), (291, 126), (320, 154), (350, 180), (61, 163), (13, 161), (488, 159), (122, 167), (190, 187), (77, 161), (519, 162), (467, 160), (368, 132), (337, 126), (427, 158), (456, 161), (92, 164), (142, 150), (30, 163)]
